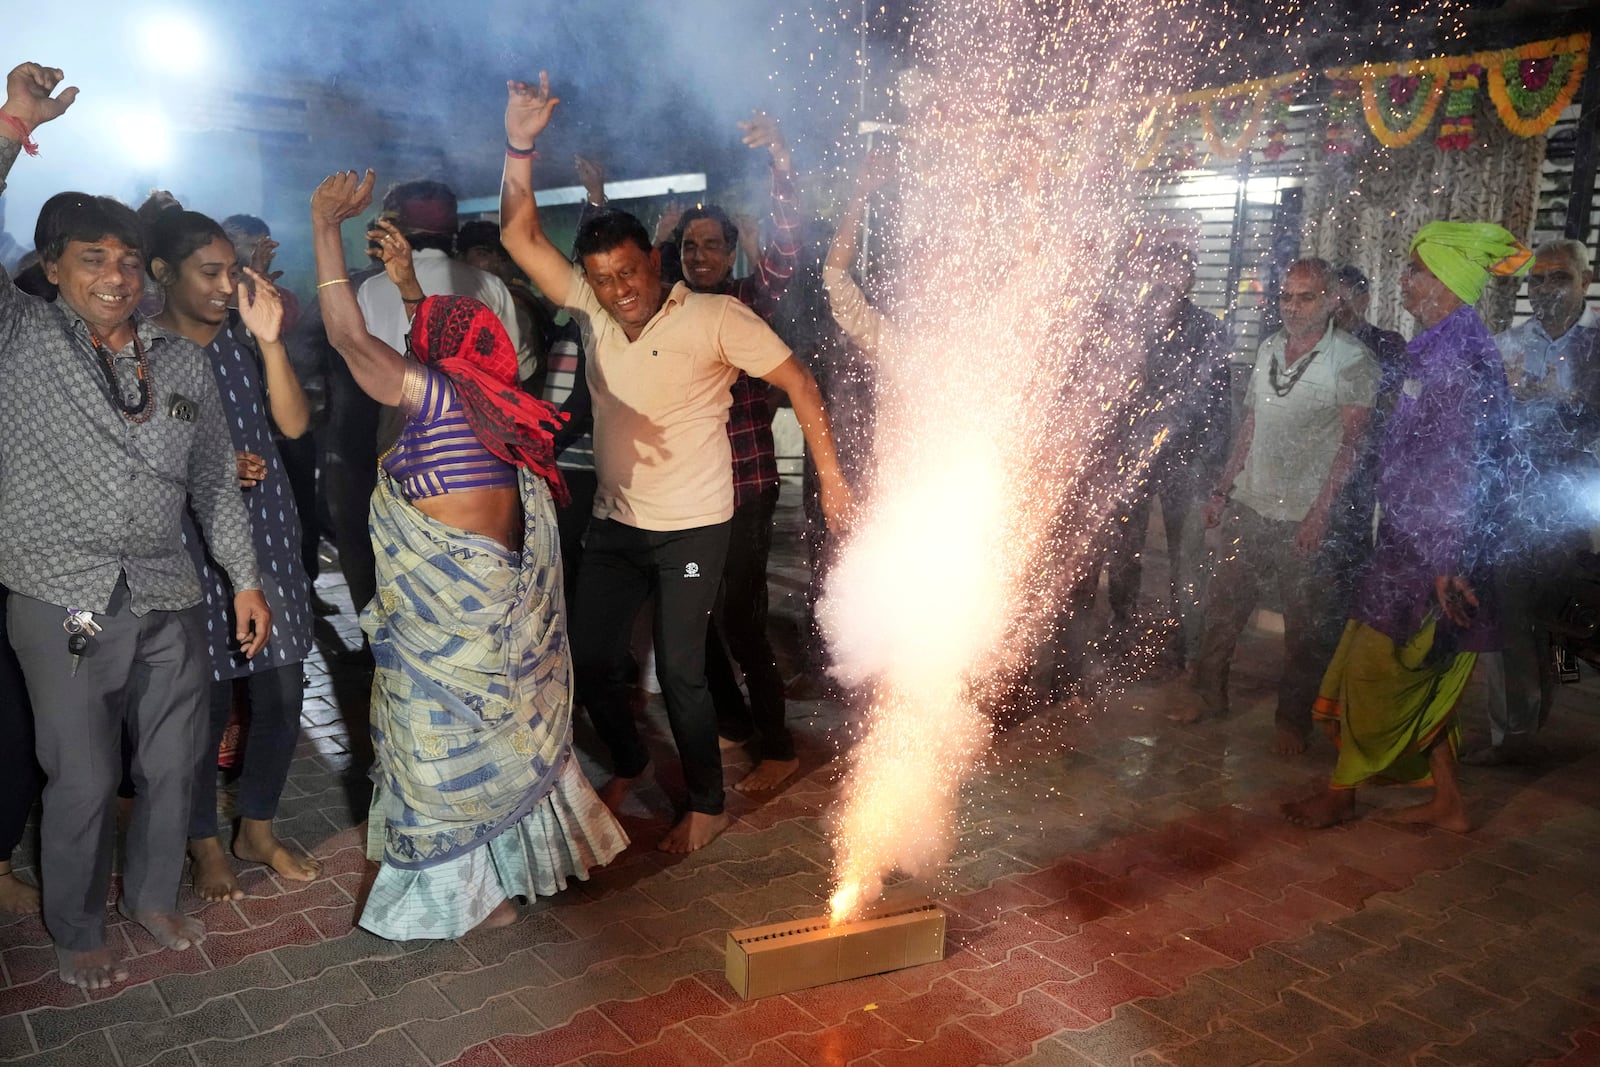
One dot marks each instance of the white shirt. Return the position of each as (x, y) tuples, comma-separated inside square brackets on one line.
[(1299, 425), (1537, 366), (438, 275)]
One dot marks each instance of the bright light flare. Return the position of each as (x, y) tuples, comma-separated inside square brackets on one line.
[(144, 135), (174, 42), (1003, 383), (923, 602)]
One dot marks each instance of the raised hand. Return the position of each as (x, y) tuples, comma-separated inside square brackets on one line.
[(261, 258), (28, 99), (763, 131), (528, 110), (667, 224), (261, 307), (592, 176), (341, 196), (394, 250)]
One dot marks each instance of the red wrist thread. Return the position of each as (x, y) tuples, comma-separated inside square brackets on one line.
[(21, 130)]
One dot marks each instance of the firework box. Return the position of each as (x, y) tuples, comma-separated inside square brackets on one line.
[(780, 957)]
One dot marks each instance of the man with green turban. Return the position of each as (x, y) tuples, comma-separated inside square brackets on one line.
[(1465, 255), (1424, 610)]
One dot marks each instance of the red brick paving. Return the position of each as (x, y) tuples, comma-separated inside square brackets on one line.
[(1193, 909)]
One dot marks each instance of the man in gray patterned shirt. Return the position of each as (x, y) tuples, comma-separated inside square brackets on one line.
[(108, 426)]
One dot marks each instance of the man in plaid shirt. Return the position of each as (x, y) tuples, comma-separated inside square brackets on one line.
[(707, 242)]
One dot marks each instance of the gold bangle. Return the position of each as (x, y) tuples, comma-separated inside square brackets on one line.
[(333, 281)]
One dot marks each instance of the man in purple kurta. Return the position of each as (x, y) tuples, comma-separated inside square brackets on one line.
[(1423, 611)]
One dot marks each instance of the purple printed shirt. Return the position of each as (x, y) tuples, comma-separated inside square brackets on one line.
[(1440, 483)]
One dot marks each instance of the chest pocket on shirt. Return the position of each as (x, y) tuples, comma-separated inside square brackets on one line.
[(164, 442)]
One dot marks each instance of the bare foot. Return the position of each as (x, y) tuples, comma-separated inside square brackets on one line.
[(1288, 742), (94, 969), (16, 896), (614, 792), (694, 831), (177, 932), (768, 775), (1329, 807), (1436, 812), (212, 873), (1446, 810), (256, 843), (504, 914)]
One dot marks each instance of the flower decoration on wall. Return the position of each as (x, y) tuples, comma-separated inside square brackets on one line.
[(1532, 85), (1455, 132)]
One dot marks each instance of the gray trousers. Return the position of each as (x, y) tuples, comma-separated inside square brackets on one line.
[(1257, 550), (145, 674), (1520, 681)]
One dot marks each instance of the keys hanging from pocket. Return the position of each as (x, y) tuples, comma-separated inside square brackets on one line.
[(80, 626)]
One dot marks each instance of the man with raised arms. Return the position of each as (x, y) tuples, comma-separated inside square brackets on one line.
[(660, 367)]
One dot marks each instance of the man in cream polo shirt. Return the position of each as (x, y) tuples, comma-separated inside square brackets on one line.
[(659, 370), (1306, 407)]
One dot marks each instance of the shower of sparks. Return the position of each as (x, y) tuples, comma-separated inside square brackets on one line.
[(1007, 352)]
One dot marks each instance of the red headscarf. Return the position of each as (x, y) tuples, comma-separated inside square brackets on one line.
[(464, 341)]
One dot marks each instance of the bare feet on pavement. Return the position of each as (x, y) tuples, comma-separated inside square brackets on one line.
[(94, 969), (694, 831), (212, 873), (16, 896), (256, 843), (768, 775), (614, 792), (504, 914), (177, 932), (1328, 807), (1288, 742), (1438, 812)]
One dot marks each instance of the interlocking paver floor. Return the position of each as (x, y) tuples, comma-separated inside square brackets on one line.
[(1124, 893)]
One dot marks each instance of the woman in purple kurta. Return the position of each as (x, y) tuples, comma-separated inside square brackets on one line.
[(1422, 613)]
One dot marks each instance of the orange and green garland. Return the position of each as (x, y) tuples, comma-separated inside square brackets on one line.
[(1530, 86)]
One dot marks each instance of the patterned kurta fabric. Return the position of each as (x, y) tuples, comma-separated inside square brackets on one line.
[(472, 698), (274, 524)]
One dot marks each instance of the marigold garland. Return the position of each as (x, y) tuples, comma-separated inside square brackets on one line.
[(1225, 147), (1570, 55), (1434, 75), (1411, 98)]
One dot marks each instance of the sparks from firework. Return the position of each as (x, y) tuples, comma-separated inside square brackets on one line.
[(1003, 371)]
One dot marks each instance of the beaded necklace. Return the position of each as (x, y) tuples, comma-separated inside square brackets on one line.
[(142, 409), (1281, 387)]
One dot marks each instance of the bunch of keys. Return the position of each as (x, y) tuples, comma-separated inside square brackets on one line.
[(80, 626)]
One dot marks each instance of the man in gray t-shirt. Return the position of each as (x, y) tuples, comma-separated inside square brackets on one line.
[(1306, 407)]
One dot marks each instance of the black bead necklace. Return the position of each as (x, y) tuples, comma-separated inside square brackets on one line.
[(139, 411)]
